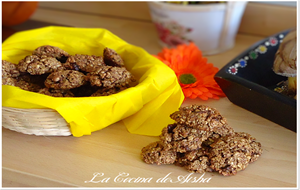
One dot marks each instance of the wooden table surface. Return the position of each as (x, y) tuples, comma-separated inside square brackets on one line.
[(109, 156)]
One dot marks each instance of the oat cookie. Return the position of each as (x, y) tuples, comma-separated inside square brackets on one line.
[(202, 117), (112, 58), (34, 79), (35, 65), (108, 91), (233, 153), (85, 90), (110, 77), (86, 63), (66, 79), (56, 93), (182, 138), (7, 80), (51, 51), (28, 86), (9, 69), (154, 153), (194, 161)]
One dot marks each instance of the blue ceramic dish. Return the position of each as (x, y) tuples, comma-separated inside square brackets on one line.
[(249, 81)]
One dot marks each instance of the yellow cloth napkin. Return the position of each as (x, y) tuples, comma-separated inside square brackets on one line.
[(144, 109)]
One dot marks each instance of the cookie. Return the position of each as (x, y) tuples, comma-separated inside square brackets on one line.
[(85, 90), (34, 79), (154, 153), (203, 118), (182, 138), (51, 51), (56, 93), (7, 80), (108, 91), (28, 86), (233, 153), (110, 77), (86, 63), (194, 161), (9, 69), (66, 79), (112, 58), (35, 65)]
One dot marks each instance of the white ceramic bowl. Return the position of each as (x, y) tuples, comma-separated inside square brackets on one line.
[(212, 27)]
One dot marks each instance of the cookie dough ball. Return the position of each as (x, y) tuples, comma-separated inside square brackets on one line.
[(9, 69), (86, 63), (66, 79), (182, 138), (233, 153), (35, 65), (155, 153), (112, 58), (110, 77), (204, 118), (56, 92), (51, 51)]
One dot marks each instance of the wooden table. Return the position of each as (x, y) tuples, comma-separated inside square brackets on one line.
[(109, 156)]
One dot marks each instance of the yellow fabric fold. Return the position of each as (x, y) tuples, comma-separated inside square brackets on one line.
[(144, 109)]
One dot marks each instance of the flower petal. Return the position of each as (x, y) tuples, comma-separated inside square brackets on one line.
[(187, 59)]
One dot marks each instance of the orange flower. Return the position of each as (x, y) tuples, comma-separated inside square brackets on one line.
[(195, 75)]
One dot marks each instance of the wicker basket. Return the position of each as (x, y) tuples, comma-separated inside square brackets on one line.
[(40, 122)]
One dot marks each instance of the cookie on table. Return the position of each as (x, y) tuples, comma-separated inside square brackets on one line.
[(36, 65), (110, 77), (112, 58), (182, 138), (56, 92), (204, 118), (66, 79), (9, 69), (86, 63), (255, 151), (51, 51), (155, 153), (233, 153), (194, 161)]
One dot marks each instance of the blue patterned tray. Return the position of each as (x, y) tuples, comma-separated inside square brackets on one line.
[(249, 81)]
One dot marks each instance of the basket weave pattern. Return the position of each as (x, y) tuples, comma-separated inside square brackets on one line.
[(40, 122)]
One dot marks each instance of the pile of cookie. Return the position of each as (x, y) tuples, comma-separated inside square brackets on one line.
[(52, 71), (201, 141)]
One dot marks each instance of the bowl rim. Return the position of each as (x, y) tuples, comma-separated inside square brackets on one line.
[(185, 8)]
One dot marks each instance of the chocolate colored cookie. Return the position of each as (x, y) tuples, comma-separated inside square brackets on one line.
[(108, 91), (233, 153), (56, 93), (9, 69), (182, 138), (155, 153), (66, 79), (51, 51), (35, 65), (202, 117), (110, 77), (112, 58), (194, 161), (86, 63)]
